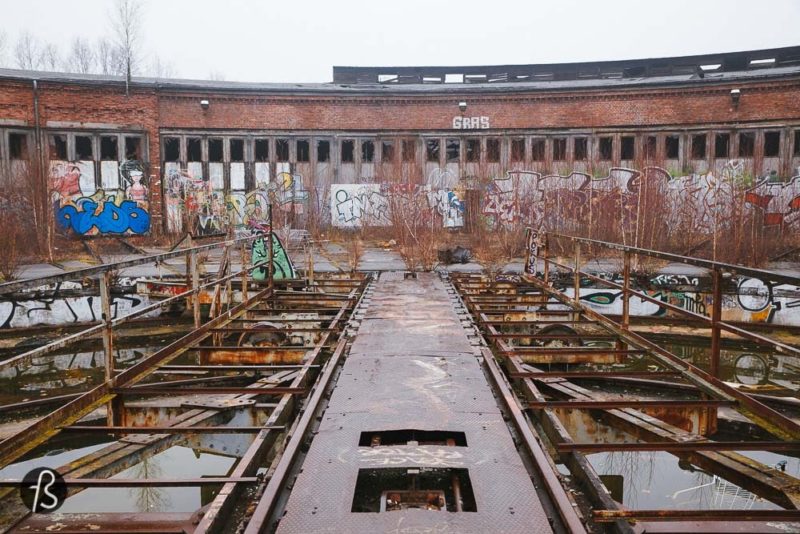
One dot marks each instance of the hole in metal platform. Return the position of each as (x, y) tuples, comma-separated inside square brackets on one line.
[(412, 437), (387, 490)]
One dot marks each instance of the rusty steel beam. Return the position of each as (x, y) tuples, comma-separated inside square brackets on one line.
[(681, 446), (542, 375), (577, 351), (171, 429), (233, 367), (605, 516), (142, 482), (212, 390), (628, 403)]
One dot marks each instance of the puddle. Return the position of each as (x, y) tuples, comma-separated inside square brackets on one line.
[(658, 480)]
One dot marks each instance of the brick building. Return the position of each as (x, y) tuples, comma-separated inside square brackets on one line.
[(173, 148)]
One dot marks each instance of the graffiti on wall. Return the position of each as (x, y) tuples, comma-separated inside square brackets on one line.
[(85, 210), (357, 205), (282, 266)]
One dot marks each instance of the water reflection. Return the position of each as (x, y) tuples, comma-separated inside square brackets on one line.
[(660, 480)]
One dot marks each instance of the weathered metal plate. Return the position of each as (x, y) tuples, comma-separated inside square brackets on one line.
[(412, 367)]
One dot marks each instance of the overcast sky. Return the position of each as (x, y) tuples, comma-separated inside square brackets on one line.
[(299, 41)]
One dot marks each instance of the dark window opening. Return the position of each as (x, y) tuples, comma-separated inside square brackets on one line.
[(58, 147), (772, 144), (473, 150), (412, 436), (559, 149), (671, 146), (517, 150), (432, 150), (348, 151), (194, 150), (83, 148), (797, 143), (627, 147), (133, 148), (18, 146), (367, 151), (699, 146), (453, 149), (303, 150), (323, 151), (580, 149), (409, 150), (262, 150), (282, 149), (237, 149), (493, 150), (387, 151), (426, 488), (650, 146), (172, 148), (722, 143), (747, 144), (215, 150), (537, 150), (606, 148)]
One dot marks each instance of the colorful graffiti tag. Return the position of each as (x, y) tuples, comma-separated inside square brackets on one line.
[(282, 265), (85, 210)]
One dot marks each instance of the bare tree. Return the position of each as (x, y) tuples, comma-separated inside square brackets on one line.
[(49, 58), (81, 57), (162, 69), (107, 58), (3, 44), (216, 76), (126, 22), (26, 52)]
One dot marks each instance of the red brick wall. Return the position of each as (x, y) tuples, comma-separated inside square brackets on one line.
[(587, 109)]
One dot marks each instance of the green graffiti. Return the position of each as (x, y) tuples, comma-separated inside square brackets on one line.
[(281, 264)]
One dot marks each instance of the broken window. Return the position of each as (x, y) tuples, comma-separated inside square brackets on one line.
[(83, 148), (133, 148), (194, 149), (18, 145), (215, 150), (580, 149), (473, 150), (517, 150), (699, 146), (537, 150), (172, 148), (606, 146), (387, 151), (237, 149), (303, 150), (493, 150), (559, 149), (672, 146), (453, 149), (627, 147), (262, 150), (747, 144), (722, 144), (650, 147), (323, 151), (409, 150), (282, 149), (367, 151), (348, 151), (432, 150), (772, 144), (58, 147)]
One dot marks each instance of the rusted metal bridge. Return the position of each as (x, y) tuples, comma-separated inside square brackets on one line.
[(389, 402)]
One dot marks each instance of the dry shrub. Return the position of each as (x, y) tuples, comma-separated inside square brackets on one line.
[(417, 229), (9, 258)]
